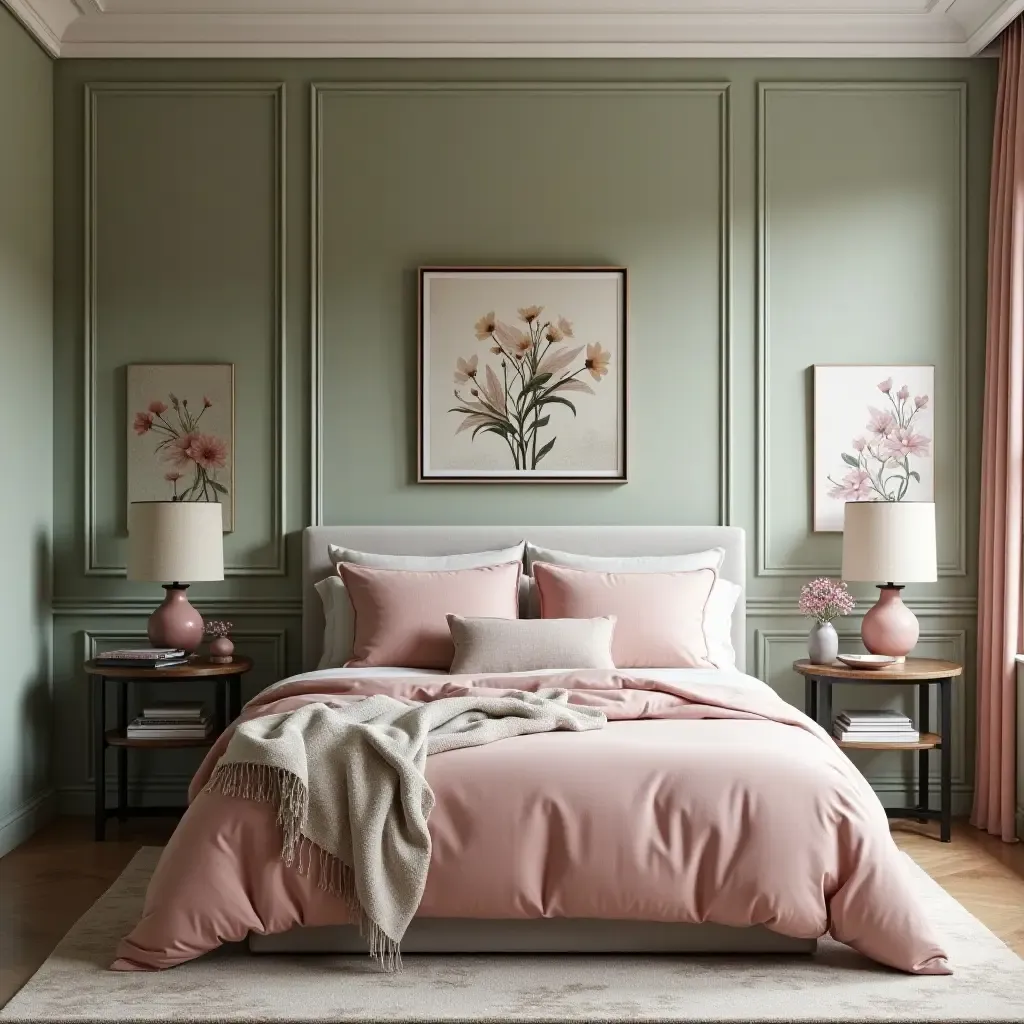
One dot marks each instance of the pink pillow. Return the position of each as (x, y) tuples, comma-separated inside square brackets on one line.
[(400, 615), (660, 615)]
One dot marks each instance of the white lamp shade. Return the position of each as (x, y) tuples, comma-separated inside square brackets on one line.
[(889, 542), (175, 541)]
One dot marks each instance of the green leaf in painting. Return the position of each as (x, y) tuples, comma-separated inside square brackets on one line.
[(560, 401), (536, 382), (851, 461), (545, 450), (494, 427), (917, 476), (217, 487)]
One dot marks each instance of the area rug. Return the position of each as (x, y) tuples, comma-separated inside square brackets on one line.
[(836, 984)]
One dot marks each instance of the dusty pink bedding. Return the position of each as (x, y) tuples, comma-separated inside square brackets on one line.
[(698, 802)]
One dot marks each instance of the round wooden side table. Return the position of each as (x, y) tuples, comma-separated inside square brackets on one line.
[(227, 679), (920, 672)]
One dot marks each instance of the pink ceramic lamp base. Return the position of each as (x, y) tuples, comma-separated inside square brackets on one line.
[(176, 623), (890, 627)]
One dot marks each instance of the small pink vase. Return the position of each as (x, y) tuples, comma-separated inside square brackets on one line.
[(222, 650), (890, 627), (176, 623)]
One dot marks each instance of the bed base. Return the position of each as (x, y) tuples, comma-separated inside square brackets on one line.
[(547, 935)]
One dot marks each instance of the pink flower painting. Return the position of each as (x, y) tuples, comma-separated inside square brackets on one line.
[(884, 458), (192, 457)]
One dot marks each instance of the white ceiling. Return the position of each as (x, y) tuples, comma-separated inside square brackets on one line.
[(515, 28)]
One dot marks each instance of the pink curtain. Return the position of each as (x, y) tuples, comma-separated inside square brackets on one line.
[(1000, 576)]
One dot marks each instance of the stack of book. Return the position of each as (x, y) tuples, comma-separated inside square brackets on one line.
[(172, 720), (874, 727), (142, 657)]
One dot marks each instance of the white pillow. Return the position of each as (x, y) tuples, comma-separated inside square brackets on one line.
[(717, 613), (710, 559), (339, 619), (718, 623), (427, 563)]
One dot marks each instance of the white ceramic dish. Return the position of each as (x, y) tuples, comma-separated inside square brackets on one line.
[(867, 660)]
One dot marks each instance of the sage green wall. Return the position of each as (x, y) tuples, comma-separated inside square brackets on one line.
[(773, 215), (26, 422)]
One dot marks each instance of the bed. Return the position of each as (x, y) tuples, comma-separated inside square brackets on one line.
[(722, 774)]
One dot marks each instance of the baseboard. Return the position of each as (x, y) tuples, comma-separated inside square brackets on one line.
[(24, 821)]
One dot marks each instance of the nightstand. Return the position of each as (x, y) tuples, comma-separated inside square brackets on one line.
[(919, 672), (226, 679)]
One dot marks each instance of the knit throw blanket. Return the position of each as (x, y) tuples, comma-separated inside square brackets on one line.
[(351, 797)]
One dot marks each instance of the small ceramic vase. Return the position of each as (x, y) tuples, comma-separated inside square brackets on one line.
[(222, 650), (822, 643)]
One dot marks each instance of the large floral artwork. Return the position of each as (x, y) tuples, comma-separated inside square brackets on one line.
[(873, 437), (180, 434), (522, 374)]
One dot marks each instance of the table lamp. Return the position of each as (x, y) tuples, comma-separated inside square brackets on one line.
[(894, 542), (175, 540)]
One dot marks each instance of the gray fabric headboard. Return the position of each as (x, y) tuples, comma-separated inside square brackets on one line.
[(447, 540)]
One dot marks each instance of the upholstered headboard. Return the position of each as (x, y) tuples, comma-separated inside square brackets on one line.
[(447, 540)]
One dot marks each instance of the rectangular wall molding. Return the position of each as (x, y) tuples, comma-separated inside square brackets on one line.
[(94, 92), (111, 607), (320, 90), (957, 641), (937, 607), (764, 564)]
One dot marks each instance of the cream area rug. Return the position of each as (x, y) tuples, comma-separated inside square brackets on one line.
[(234, 985)]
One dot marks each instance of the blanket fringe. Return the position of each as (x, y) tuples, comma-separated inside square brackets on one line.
[(266, 784)]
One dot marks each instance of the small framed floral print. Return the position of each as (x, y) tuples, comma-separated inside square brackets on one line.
[(522, 374), (874, 431), (181, 426)]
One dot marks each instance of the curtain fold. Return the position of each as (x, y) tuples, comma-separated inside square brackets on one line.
[(1000, 575)]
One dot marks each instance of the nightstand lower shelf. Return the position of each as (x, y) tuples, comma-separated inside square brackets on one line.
[(928, 741), (116, 738)]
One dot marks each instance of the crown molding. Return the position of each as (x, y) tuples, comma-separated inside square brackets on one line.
[(983, 31), (46, 20), (514, 28)]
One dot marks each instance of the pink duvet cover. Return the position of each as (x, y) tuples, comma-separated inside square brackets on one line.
[(707, 801)]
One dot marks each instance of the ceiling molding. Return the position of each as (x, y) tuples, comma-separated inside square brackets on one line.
[(515, 28), (47, 20), (991, 25)]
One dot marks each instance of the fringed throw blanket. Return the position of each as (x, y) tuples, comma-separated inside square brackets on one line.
[(352, 800)]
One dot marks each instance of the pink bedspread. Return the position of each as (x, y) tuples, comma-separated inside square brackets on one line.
[(700, 802)]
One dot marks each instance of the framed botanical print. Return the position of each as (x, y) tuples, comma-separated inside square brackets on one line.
[(522, 374), (181, 427), (874, 434)]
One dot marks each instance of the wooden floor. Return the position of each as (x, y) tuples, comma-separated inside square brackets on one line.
[(50, 881)]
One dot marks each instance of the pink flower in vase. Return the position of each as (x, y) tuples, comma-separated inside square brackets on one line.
[(886, 386), (921, 402), (903, 394), (143, 423), (157, 408)]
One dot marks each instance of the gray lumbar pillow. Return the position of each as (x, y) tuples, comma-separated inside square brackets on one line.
[(523, 645)]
